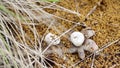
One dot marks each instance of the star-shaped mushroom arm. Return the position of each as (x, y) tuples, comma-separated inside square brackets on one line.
[(55, 50), (81, 52), (88, 32), (77, 49), (90, 45), (73, 49)]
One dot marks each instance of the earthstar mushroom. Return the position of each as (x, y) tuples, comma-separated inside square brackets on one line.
[(82, 42)]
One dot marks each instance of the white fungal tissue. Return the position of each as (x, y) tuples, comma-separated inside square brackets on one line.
[(82, 41), (77, 38), (49, 38)]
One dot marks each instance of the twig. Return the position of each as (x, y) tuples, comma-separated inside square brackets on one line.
[(76, 5), (54, 6), (93, 9), (92, 65), (113, 66), (54, 62), (106, 46)]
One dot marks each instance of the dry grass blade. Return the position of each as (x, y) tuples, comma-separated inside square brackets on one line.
[(92, 64), (93, 9)]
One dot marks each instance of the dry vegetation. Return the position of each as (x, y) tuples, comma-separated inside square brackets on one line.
[(24, 23)]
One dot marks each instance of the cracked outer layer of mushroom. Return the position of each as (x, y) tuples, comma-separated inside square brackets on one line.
[(72, 49), (56, 50), (89, 45), (51, 37), (81, 52), (88, 32)]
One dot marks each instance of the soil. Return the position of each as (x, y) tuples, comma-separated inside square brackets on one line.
[(105, 20)]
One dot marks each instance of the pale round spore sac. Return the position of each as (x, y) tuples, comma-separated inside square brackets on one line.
[(77, 38), (88, 32), (90, 45), (52, 38)]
